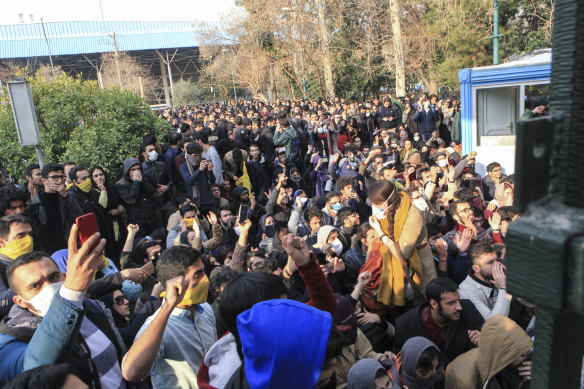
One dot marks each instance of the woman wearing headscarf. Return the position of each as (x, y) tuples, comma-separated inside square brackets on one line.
[(419, 365), (114, 231), (368, 374), (401, 262)]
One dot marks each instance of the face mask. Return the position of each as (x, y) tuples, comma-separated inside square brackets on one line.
[(237, 230), (443, 163), (336, 207), (416, 138), (337, 246), (303, 199), (421, 204), (270, 230), (85, 186), (196, 295), (189, 222), (295, 178), (194, 161), (42, 301), (153, 156), (379, 213), (18, 247)]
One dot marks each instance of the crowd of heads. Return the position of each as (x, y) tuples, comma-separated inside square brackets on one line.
[(288, 244)]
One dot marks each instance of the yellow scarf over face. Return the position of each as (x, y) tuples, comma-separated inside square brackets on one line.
[(391, 288)]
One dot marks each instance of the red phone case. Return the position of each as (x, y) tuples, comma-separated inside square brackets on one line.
[(87, 226)]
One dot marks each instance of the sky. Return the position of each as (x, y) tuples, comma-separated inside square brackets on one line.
[(85, 10)]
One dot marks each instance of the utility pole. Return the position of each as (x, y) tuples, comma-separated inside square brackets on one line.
[(116, 59), (48, 48)]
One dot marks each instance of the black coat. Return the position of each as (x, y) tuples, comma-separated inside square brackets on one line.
[(457, 342)]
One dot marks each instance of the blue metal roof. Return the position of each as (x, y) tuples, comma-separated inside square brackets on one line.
[(71, 38)]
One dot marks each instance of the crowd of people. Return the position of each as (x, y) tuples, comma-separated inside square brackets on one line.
[(297, 244)]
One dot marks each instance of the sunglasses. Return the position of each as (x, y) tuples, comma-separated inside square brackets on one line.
[(120, 300)]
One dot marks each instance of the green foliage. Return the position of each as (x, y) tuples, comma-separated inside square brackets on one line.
[(78, 121), (187, 93)]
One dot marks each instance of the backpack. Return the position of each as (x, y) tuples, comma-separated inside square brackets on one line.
[(398, 114), (294, 147)]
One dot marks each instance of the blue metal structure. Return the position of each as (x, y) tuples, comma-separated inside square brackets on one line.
[(74, 38), (532, 69)]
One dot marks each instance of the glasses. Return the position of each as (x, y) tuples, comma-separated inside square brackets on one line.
[(120, 300), (58, 177)]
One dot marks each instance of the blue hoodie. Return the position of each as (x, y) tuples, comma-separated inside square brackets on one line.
[(284, 344)]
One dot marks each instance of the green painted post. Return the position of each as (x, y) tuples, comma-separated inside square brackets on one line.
[(546, 245), (496, 33)]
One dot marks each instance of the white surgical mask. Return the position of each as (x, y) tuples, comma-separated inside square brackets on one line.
[(153, 156), (337, 246), (421, 204), (379, 213), (303, 199), (443, 163), (416, 138), (42, 301)]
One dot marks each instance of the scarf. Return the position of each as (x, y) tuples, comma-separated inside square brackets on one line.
[(244, 179), (195, 187), (386, 286)]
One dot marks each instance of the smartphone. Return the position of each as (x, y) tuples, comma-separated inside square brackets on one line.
[(243, 213), (87, 226), (149, 267)]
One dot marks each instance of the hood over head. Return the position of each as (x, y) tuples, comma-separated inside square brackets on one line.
[(128, 163), (362, 374), (323, 234), (273, 334), (345, 319), (501, 342), (410, 354)]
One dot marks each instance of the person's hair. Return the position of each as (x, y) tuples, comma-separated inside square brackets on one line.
[(203, 136), (454, 206), (426, 360), (175, 261), (499, 247), (381, 191), (7, 221), (41, 377), (438, 286), (187, 208), (328, 197), (68, 163), (194, 148), (345, 181), (185, 139), (420, 171), (24, 259), (345, 213), (464, 194), (224, 208), (51, 167), (253, 145), (507, 213), (312, 212), (197, 123), (477, 250), (30, 168), (219, 276), (174, 138), (361, 233), (9, 194), (244, 291), (73, 172), (433, 229), (492, 166), (184, 127)]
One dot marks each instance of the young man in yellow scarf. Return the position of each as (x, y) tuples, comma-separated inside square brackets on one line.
[(171, 344)]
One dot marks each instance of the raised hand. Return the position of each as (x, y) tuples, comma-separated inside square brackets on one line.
[(363, 278), (175, 290), (212, 218), (442, 248), (499, 276), (495, 221), (463, 240), (133, 229), (83, 263), (137, 275), (296, 249)]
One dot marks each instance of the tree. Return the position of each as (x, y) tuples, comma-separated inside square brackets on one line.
[(79, 121)]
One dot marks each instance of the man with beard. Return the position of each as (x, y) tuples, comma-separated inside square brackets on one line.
[(463, 215), (486, 285), (198, 176), (266, 139), (451, 323)]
